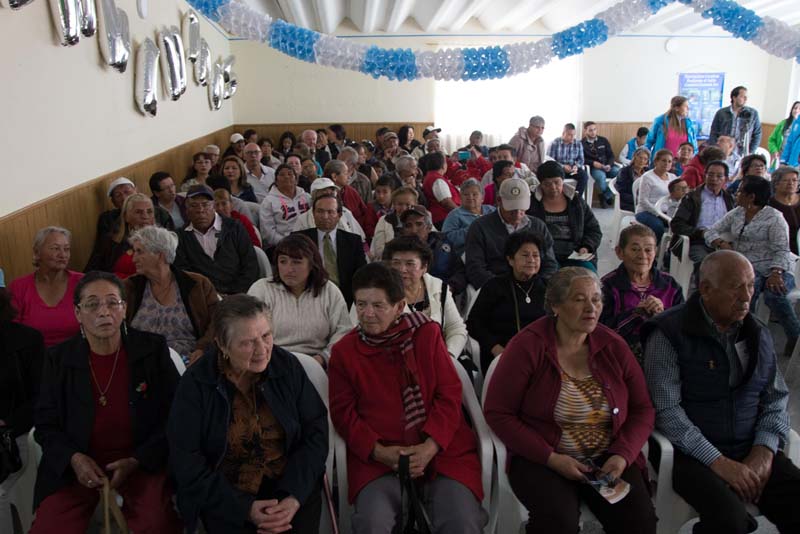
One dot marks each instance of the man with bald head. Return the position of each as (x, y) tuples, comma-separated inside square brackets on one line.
[(309, 137), (721, 400), (259, 176)]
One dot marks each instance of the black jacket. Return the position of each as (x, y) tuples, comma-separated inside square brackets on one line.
[(21, 356), (198, 430), (350, 257), (234, 267), (684, 222), (64, 414), (600, 151), (583, 224)]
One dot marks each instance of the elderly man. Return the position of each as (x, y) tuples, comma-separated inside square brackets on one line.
[(738, 121), (342, 253), (213, 155), (347, 222), (214, 246), (732, 158), (355, 179), (236, 147), (721, 400), (486, 237), (407, 171), (259, 176), (416, 221), (309, 137), (701, 208), (528, 143)]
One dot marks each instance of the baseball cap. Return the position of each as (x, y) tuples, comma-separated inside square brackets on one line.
[(322, 183), (430, 129), (235, 138), (417, 209), (389, 134), (118, 182), (200, 190), (515, 194)]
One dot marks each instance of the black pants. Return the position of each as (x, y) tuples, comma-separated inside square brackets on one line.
[(554, 502), (306, 520), (722, 512), (581, 177)]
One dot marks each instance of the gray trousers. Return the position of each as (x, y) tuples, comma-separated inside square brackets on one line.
[(451, 506)]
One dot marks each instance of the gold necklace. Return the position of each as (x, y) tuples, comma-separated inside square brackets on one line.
[(103, 400)]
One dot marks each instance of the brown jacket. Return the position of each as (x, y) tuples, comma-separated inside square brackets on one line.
[(197, 292)]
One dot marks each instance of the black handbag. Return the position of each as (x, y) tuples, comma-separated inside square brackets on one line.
[(413, 517), (10, 460)]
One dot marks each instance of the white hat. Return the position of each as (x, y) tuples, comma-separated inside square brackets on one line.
[(515, 194), (322, 183), (116, 183), (235, 138)]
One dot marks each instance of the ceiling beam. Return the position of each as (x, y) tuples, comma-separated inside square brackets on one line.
[(297, 13), (472, 9), (572, 12), (399, 13), (330, 14), (538, 11)]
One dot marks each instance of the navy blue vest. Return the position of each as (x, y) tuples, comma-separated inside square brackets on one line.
[(725, 415)]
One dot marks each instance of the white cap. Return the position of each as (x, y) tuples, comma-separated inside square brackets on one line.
[(119, 181), (322, 183), (515, 194), (235, 138)]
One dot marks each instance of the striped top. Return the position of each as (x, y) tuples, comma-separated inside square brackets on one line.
[(584, 417)]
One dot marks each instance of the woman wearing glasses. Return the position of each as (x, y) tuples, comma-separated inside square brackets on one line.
[(103, 403)]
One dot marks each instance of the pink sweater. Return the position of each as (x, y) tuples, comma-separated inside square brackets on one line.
[(56, 323)]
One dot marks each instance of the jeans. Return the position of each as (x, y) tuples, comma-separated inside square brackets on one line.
[(600, 176), (779, 304), (655, 223)]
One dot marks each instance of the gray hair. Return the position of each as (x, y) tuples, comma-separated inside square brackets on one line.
[(351, 155), (710, 267), (334, 166), (560, 283), (641, 149), (41, 237), (430, 142), (404, 163), (536, 120), (156, 240), (781, 172), (214, 149), (232, 309), (472, 182)]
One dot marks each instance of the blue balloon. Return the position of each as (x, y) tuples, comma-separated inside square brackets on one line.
[(656, 5), (209, 7), (576, 39), (739, 21)]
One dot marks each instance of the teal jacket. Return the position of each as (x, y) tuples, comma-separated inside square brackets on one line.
[(657, 138)]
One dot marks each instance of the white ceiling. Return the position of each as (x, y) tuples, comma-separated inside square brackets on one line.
[(468, 17)]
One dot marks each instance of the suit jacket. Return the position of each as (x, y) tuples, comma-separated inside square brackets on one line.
[(349, 258)]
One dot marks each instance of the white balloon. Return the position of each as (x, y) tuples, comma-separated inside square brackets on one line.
[(88, 13), (173, 64), (141, 7), (114, 34), (66, 16), (191, 35), (146, 89), (202, 67), (216, 87)]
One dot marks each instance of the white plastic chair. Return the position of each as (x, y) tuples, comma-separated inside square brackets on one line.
[(672, 511), (473, 348), (21, 495), (667, 237), (681, 268), (471, 297), (178, 361), (588, 195), (264, 268), (764, 152), (619, 213)]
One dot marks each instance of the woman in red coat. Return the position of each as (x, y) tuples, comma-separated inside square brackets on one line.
[(570, 402), (394, 391)]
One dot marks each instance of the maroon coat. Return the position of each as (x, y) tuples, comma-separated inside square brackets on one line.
[(525, 387), (694, 173), (366, 407)]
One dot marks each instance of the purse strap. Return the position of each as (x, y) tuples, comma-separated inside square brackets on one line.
[(443, 300), (329, 500), (414, 518), (111, 509)]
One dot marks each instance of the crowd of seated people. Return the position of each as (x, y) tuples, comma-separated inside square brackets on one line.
[(363, 282)]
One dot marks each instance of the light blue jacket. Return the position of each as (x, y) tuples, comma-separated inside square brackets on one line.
[(656, 139), (457, 223), (791, 148)]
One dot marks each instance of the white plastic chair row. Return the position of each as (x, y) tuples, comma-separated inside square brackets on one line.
[(681, 267), (264, 267), (619, 214)]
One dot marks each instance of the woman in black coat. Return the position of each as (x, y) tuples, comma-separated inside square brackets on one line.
[(21, 354), (100, 418), (248, 433)]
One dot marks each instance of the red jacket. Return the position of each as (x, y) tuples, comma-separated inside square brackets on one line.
[(694, 173), (365, 217), (438, 211), (525, 387), (366, 407), (248, 225)]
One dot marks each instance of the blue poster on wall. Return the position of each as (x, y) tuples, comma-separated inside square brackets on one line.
[(704, 91)]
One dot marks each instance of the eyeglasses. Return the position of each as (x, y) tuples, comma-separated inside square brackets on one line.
[(93, 306)]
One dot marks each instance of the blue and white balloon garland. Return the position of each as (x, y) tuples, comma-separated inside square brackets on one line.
[(771, 35)]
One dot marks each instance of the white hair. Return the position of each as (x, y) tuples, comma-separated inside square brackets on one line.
[(156, 240)]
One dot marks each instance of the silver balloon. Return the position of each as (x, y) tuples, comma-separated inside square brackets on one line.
[(141, 7), (146, 88), (216, 87), (191, 35), (202, 67), (173, 64), (16, 4), (229, 77), (66, 16), (114, 34), (88, 17)]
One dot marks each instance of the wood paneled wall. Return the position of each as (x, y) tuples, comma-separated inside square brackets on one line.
[(77, 208), (355, 131)]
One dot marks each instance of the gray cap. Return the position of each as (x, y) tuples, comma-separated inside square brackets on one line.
[(515, 194), (118, 182)]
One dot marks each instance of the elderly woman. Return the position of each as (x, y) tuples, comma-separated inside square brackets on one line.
[(164, 300), (457, 223), (248, 433), (653, 188), (760, 233), (390, 225), (199, 172), (636, 291), (103, 405), (787, 201), (570, 402), (568, 218), (508, 303), (21, 356), (113, 253), (308, 311), (43, 299), (281, 207), (751, 165), (640, 161), (394, 391), (425, 293)]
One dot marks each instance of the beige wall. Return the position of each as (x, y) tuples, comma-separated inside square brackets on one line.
[(67, 119)]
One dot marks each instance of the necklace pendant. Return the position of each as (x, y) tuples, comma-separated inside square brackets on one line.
[(103, 400), (527, 299)]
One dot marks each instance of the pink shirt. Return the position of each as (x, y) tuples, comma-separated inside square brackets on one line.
[(674, 140), (56, 323)]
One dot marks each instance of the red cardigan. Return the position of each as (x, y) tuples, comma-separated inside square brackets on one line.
[(525, 387), (366, 407)]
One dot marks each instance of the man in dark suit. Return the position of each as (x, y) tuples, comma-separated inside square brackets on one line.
[(342, 252)]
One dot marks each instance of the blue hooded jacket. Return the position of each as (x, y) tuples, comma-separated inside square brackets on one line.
[(657, 139), (791, 149)]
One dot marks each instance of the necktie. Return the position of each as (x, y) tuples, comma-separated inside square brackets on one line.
[(329, 255)]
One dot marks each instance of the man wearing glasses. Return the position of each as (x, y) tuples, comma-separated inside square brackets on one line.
[(259, 176)]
